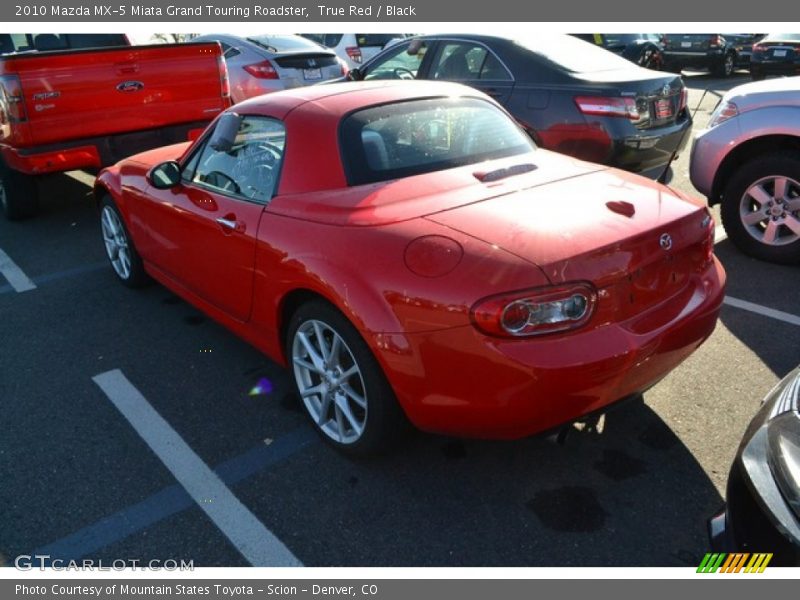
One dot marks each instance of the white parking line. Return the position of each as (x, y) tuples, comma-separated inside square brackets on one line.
[(763, 310), (719, 235), (250, 537), (16, 277)]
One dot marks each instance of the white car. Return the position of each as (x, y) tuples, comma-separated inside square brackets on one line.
[(356, 48)]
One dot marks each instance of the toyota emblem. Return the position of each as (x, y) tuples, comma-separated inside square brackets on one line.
[(666, 90), (665, 241)]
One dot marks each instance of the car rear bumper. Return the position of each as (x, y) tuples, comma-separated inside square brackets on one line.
[(648, 151), (700, 60), (459, 381), (775, 68)]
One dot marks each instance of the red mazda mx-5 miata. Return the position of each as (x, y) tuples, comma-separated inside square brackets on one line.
[(410, 254)]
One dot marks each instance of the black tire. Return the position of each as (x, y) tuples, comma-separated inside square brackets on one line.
[(135, 276), (19, 197), (727, 66), (786, 164), (384, 420)]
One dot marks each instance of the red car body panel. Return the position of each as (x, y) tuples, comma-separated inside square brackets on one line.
[(77, 111), (357, 248)]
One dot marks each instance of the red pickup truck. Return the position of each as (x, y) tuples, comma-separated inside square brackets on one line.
[(62, 110)]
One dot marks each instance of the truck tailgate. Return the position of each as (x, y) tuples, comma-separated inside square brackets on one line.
[(85, 93)]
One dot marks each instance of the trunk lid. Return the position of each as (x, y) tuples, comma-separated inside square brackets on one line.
[(605, 227)]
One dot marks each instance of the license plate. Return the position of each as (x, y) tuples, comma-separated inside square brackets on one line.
[(663, 108), (779, 53), (686, 44), (311, 74)]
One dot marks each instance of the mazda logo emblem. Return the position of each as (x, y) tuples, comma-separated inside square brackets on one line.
[(665, 241)]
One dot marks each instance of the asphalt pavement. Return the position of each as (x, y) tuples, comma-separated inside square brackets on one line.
[(193, 476)]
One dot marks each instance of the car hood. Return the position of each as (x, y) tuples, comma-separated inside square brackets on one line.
[(771, 92), (600, 227)]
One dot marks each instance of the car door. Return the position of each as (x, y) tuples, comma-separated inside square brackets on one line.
[(473, 64), (203, 231), (404, 60)]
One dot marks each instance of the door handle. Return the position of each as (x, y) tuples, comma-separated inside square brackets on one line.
[(229, 224)]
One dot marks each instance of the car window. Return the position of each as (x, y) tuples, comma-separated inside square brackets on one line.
[(459, 61), (379, 40), (330, 40), (420, 136), (250, 168), (283, 43), (229, 51), (400, 62)]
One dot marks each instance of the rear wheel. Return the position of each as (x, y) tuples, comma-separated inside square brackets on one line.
[(761, 208), (19, 197), (119, 246), (341, 385), (727, 66)]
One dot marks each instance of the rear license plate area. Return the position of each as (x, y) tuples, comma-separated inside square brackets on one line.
[(312, 74)]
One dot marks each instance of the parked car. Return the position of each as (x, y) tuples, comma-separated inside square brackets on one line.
[(11, 43), (569, 95), (264, 63), (748, 159), (762, 513), (62, 110), (372, 236), (776, 54), (743, 44), (643, 49), (355, 48), (712, 51)]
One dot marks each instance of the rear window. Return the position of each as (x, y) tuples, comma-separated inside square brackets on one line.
[(283, 43), (571, 54), (421, 136), (25, 42), (782, 37), (377, 40), (326, 39)]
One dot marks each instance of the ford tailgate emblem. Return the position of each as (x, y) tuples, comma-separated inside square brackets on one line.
[(665, 241), (130, 86)]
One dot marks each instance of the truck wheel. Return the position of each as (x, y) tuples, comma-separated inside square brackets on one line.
[(727, 66), (340, 384), (19, 197), (121, 252), (761, 208)]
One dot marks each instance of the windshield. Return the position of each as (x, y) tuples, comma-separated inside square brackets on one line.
[(284, 43), (573, 55), (783, 37), (421, 136)]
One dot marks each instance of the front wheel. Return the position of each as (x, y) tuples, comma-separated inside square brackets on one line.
[(340, 384), (119, 246), (761, 208)]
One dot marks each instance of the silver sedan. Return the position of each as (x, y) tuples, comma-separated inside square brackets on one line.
[(263, 63)]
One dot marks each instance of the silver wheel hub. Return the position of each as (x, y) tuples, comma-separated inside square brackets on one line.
[(116, 242), (329, 381), (770, 210)]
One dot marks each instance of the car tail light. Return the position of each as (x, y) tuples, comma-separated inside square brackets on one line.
[(223, 78), (536, 311), (708, 244), (262, 70), (12, 103), (684, 100), (343, 66), (724, 111), (354, 52), (715, 42), (608, 106)]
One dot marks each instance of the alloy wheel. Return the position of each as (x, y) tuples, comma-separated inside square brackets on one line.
[(770, 210), (116, 242), (330, 381)]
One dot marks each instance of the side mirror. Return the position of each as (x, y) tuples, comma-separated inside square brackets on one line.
[(225, 131), (165, 176), (355, 75)]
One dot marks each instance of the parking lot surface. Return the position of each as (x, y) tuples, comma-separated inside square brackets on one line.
[(129, 432)]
